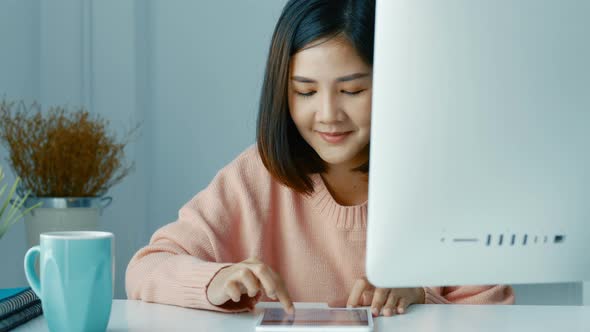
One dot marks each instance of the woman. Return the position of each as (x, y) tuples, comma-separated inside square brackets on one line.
[(286, 220)]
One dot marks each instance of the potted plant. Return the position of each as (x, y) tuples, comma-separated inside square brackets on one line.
[(67, 160)]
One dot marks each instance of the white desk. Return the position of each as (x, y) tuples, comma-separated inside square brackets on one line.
[(139, 316)]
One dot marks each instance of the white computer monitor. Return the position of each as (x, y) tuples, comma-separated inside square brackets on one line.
[(480, 143)]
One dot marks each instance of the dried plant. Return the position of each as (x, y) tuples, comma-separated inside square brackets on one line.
[(62, 153)]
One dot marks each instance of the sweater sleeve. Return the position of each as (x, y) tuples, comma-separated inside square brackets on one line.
[(182, 257), (498, 294)]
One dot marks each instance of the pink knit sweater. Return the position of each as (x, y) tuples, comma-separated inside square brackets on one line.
[(316, 245)]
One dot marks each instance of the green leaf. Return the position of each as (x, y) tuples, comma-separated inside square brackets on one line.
[(11, 216), (18, 203), (10, 195), (24, 213), (2, 191)]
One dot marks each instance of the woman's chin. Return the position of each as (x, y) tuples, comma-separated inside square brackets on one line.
[(333, 159)]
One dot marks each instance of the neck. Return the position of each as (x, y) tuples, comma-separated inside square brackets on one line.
[(347, 187)]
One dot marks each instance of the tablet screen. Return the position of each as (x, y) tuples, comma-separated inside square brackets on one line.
[(315, 317)]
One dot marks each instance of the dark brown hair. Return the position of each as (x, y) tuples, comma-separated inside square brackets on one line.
[(285, 154)]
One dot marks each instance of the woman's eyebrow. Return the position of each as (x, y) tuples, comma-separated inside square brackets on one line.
[(352, 77), (346, 78), (303, 79)]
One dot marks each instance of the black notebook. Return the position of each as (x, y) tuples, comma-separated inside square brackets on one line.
[(18, 306), (21, 317)]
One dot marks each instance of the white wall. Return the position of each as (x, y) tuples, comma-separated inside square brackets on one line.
[(189, 70), (206, 67)]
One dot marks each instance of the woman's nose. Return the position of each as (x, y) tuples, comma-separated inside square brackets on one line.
[(328, 110)]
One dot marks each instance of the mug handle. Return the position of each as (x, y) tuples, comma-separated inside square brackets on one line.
[(30, 273)]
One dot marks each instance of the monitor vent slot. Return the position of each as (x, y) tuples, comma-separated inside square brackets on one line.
[(512, 240)]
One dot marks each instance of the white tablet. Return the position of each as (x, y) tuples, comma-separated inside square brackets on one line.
[(315, 320)]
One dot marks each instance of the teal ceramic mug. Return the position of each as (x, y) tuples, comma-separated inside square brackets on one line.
[(76, 284)]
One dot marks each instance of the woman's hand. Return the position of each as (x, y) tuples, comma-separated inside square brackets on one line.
[(248, 277), (388, 301)]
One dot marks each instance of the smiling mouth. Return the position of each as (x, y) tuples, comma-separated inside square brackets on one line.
[(334, 138)]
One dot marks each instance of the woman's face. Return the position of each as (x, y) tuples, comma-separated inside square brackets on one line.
[(330, 101)]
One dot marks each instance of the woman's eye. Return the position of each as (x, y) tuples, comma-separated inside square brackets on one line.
[(306, 94), (352, 93)]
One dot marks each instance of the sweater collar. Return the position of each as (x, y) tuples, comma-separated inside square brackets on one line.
[(352, 217)]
